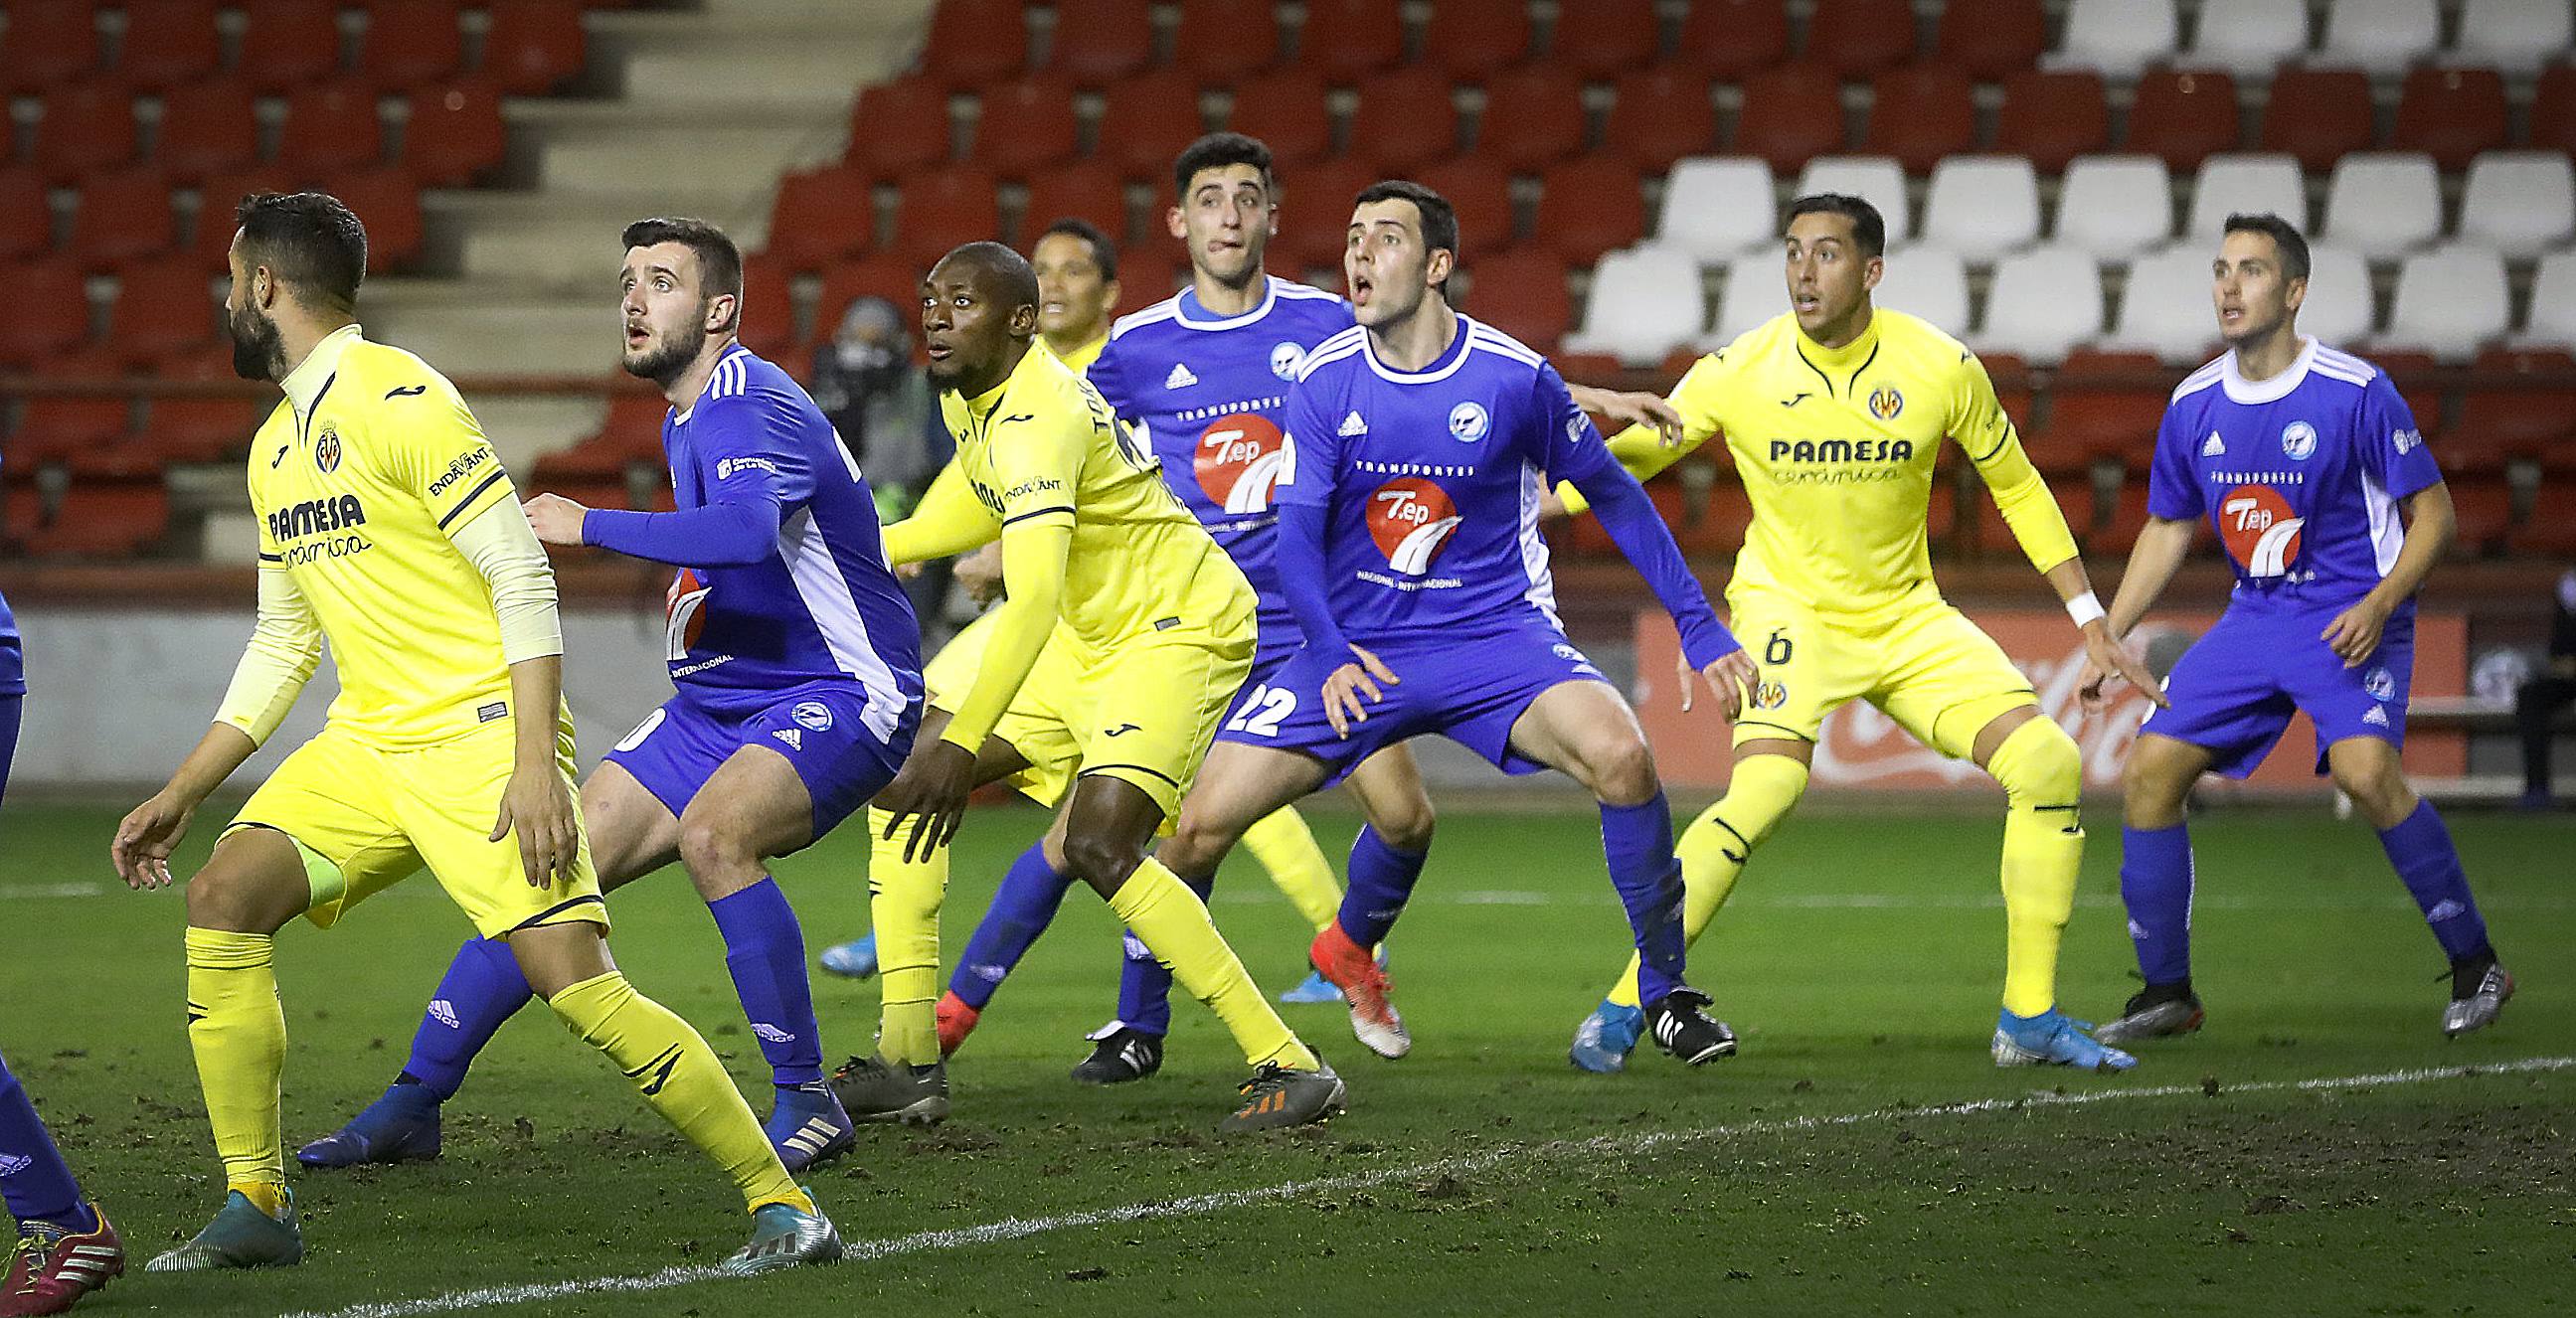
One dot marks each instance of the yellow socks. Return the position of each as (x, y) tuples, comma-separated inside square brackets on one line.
[(903, 902), (1759, 794), (1173, 923), (680, 1076), (2042, 773), (238, 1032), (1286, 848)]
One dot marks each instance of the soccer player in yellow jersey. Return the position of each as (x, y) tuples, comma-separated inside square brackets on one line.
[(389, 531), (1098, 554), (1834, 414)]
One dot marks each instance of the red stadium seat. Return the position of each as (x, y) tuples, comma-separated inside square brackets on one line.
[(2412, 372), (942, 208), (2318, 115), (1735, 38), (1285, 108), (2451, 115), (2115, 522), (217, 198), (48, 314), (167, 43), (2522, 423), (2553, 110), (1100, 41), (2484, 507), (2183, 117), (124, 215), (1406, 120), (897, 281), (1533, 117), (1481, 192), (1791, 113), (104, 520), (288, 43), (455, 133), (1524, 295), (412, 43), (207, 128), (901, 126), (1993, 39), (387, 201), (165, 308), (1315, 212), (1661, 115), (1590, 206), (1027, 124), (1145, 278), (1223, 40), (768, 318), (821, 215), (55, 430), (2054, 117), (1468, 39), (975, 42), (48, 43), (1348, 40), (1602, 39), (1921, 114), (1089, 190), (86, 129), (2098, 411), (1148, 119), (26, 221), (1858, 38), (533, 46), (331, 126)]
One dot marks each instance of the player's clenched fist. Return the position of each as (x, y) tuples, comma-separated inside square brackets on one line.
[(145, 839), (557, 519)]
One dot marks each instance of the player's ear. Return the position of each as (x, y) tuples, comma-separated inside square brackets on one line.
[(1871, 273), (2294, 293), (1437, 267), (1024, 321), (724, 313), (1176, 224)]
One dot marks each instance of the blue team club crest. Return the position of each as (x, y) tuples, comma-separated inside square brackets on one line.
[(1468, 422), (812, 715), (2298, 440), (1285, 358), (326, 450)]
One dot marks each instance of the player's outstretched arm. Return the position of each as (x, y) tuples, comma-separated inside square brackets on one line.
[(1639, 531), (730, 534), (948, 521), (2162, 546), (1653, 438), (2431, 524)]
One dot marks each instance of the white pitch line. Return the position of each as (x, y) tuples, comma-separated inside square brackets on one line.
[(1020, 1228)]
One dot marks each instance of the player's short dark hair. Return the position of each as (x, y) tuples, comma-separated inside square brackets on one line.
[(1104, 253), (1218, 150), (1439, 218), (1869, 228), (2284, 235), (1018, 279), (719, 260), (311, 241)]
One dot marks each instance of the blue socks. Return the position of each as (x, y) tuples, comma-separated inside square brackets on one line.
[(33, 1177), (2156, 886), (1022, 909), (765, 950), (483, 988), (1382, 880), (2420, 849), (1637, 840)]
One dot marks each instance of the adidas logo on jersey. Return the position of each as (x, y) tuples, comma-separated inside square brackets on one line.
[(2213, 446), (2377, 717), (1353, 427), (1180, 378), (795, 739)]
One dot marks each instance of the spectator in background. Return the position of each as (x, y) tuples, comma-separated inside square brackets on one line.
[(2536, 706), (865, 381)]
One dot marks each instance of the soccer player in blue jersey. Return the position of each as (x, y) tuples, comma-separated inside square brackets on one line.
[(1409, 554), (2303, 458), (65, 1247), (796, 658)]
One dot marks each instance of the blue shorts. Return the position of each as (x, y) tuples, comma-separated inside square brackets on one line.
[(2235, 689), (822, 728), (1470, 689)]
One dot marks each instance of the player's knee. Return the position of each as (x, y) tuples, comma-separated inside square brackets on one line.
[(1406, 826), (2039, 765), (718, 852), (1623, 770), (247, 899), (2377, 785), (1102, 862)]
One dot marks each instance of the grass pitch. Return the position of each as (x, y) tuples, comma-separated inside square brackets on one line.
[(1859, 961)]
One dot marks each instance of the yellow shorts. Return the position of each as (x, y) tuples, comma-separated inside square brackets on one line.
[(373, 816), (1925, 665), (1039, 722), (1152, 706)]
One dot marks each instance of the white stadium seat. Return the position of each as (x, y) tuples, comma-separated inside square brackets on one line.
[(1717, 206), (2384, 203), (2116, 38), (2115, 206), (2516, 36), (1928, 282), (2337, 309), (2252, 183), (2450, 302), (1982, 206), (1644, 303), (1757, 288), (2043, 302), (2247, 37), (2519, 202), (2553, 303), (1878, 180), (2382, 36), (2166, 307)]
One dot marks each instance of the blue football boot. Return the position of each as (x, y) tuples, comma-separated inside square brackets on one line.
[(400, 1126), (1606, 1037), (808, 1128), (2053, 1039), (855, 959), (783, 1236)]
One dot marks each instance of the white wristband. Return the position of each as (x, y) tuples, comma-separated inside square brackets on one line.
[(2085, 609)]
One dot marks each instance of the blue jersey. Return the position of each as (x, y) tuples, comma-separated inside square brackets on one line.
[(13, 670), (1208, 392), (1432, 479), (822, 603), (2301, 474)]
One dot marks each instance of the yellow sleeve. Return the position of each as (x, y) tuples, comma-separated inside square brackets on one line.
[(441, 452), (285, 646), (1642, 450), (1034, 556), (1986, 434), (948, 520)]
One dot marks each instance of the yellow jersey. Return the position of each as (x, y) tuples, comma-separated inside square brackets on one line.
[(1836, 447), (1080, 359), (357, 477)]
